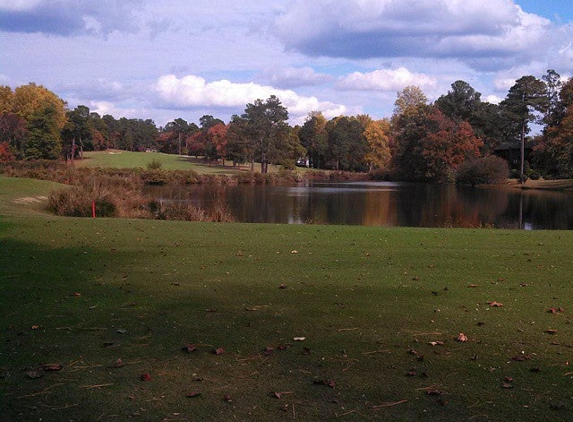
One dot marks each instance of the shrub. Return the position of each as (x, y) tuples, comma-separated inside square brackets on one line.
[(483, 171), (154, 165), (155, 177)]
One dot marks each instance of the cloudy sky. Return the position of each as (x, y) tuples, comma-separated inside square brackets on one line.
[(183, 59)]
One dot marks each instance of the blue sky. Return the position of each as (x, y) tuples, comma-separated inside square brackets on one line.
[(179, 59)]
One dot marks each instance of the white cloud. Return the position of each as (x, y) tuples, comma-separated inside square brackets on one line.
[(490, 34), (494, 99), (195, 91), (106, 107), (385, 80)]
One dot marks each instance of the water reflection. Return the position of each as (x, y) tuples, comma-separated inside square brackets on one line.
[(383, 204)]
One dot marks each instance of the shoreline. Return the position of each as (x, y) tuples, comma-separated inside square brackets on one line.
[(563, 185)]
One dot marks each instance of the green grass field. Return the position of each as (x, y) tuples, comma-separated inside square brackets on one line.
[(128, 159), (95, 314)]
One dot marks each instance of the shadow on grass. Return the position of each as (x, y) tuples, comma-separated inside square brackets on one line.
[(79, 330)]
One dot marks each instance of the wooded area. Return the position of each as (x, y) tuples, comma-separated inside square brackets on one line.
[(421, 141)]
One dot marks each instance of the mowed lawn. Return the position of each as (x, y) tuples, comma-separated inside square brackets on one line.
[(129, 159), (113, 320)]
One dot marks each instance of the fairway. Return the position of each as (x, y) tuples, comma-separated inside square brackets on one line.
[(108, 320), (130, 159)]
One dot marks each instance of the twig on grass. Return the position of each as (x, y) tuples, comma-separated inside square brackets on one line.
[(44, 391), (340, 330), (430, 388), (376, 351), (346, 413), (89, 387), (434, 333), (389, 404)]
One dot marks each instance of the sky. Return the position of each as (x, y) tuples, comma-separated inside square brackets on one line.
[(170, 59)]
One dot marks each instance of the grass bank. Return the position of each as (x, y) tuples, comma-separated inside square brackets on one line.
[(113, 319)]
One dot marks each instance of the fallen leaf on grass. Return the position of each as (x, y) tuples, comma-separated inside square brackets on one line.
[(299, 338), (51, 367), (268, 350), (219, 351), (553, 310), (433, 393), (412, 372), (145, 377), (521, 358), (118, 364), (495, 304), (551, 331), (436, 343), (193, 394), (473, 286), (283, 286), (419, 356), (34, 375), (227, 398), (462, 338), (329, 383), (189, 348)]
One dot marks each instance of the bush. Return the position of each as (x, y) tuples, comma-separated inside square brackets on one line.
[(483, 171), (155, 177), (154, 165)]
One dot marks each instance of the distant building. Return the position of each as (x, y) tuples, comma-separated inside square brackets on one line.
[(510, 151)]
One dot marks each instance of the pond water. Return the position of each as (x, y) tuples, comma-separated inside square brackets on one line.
[(383, 204)]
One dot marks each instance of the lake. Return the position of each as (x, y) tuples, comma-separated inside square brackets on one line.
[(383, 204)]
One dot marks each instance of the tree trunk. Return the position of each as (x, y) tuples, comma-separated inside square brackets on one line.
[(521, 172)]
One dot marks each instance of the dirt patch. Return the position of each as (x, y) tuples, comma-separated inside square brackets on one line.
[(31, 200)]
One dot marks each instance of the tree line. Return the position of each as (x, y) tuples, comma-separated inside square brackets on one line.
[(421, 141)]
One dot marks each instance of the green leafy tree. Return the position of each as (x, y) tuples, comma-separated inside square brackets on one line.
[(265, 126), (78, 133), (314, 138), (555, 110), (206, 122), (527, 96), (44, 135), (347, 146), (461, 103), (239, 148), (554, 152)]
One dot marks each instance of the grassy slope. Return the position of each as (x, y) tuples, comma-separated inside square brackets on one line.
[(20, 197), (84, 293), (127, 159)]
